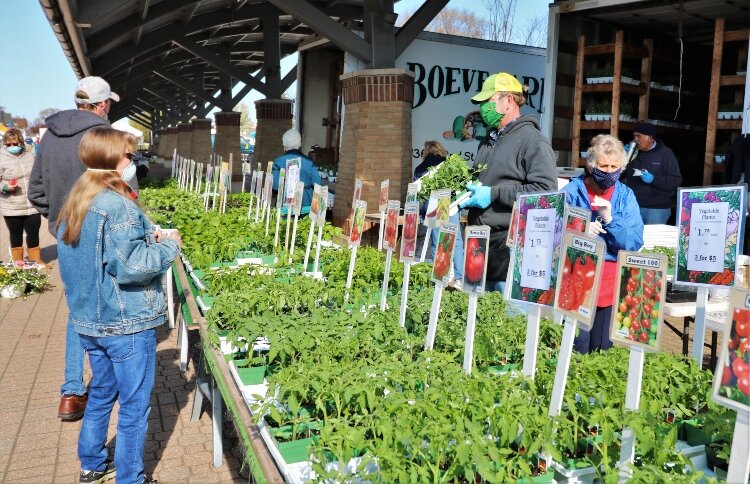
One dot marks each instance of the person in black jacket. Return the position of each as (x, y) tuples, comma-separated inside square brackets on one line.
[(653, 175), (519, 159)]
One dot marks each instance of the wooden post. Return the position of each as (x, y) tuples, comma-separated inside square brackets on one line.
[(713, 102), (577, 100), (614, 127), (646, 62)]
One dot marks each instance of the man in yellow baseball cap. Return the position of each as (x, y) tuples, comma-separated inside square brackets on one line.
[(518, 159)]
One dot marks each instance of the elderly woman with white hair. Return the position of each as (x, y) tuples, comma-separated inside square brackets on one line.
[(292, 142), (616, 219)]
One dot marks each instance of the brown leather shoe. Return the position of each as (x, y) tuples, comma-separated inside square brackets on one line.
[(72, 407)]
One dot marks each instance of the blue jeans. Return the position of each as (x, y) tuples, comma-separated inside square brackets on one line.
[(598, 337), (655, 215), (74, 355), (498, 286), (458, 251), (123, 369)]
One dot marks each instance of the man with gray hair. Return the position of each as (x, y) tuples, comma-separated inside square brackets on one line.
[(308, 173)]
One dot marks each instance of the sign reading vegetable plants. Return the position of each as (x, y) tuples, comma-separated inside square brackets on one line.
[(580, 267), (409, 236), (391, 224), (732, 376), (292, 177), (711, 226), (537, 247), (358, 224), (475, 259), (640, 294), (577, 219), (444, 253)]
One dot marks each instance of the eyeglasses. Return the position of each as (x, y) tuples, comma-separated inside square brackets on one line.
[(12, 144)]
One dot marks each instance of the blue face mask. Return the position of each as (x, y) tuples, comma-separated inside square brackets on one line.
[(14, 150), (603, 179)]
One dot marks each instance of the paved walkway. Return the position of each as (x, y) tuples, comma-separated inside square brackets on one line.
[(36, 447)]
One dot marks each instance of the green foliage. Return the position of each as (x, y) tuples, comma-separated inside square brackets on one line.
[(453, 173)]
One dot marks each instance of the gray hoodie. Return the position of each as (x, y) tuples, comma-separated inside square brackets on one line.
[(57, 166), (519, 160)]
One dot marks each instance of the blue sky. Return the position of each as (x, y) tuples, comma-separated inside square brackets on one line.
[(39, 76)]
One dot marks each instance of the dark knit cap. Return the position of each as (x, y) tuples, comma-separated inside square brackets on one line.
[(646, 128)]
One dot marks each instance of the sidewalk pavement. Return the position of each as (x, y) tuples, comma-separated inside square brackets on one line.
[(36, 447)]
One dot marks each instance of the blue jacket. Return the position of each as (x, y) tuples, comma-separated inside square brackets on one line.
[(625, 231), (308, 173), (112, 276)]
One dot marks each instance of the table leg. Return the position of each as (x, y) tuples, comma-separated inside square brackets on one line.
[(714, 341), (686, 334)]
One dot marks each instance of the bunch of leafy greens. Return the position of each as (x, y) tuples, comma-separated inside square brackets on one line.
[(453, 173)]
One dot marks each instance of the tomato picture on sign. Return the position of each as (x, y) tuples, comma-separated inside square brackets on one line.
[(444, 254), (577, 219), (732, 376), (358, 223), (579, 273), (510, 241), (639, 306), (409, 236), (391, 224), (475, 259), (383, 198)]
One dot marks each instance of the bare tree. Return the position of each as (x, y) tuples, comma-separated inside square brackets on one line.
[(500, 19), (454, 21), (534, 33), (44, 114)]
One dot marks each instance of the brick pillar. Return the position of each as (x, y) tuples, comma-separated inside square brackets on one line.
[(171, 143), (227, 139), (200, 146), (376, 137), (162, 152), (274, 118), (184, 140)]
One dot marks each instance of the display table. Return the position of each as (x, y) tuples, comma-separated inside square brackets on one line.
[(715, 312)]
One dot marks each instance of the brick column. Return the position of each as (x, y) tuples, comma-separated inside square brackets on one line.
[(274, 118), (163, 143), (200, 146), (227, 139), (376, 137), (171, 143), (158, 146), (184, 140)]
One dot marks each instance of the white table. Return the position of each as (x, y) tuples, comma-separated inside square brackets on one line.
[(715, 321)]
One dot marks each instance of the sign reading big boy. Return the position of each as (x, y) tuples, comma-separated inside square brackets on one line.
[(711, 226), (537, 251)]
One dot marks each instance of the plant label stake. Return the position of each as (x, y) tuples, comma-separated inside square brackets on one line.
[(731, 387), (258, 191), (393, 207), (315, 206), (321, 220), (563, 366), (474, 281), (532, 341), (711, 224), (279, 203), (632, 400), (300, 189), (382, 207), (355, 238), (408, 252), (440, 276)]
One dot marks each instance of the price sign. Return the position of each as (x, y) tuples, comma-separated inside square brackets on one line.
[(536, 266), (292, 177), (711, 225)]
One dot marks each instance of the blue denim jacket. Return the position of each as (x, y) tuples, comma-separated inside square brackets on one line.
[(112, 275)]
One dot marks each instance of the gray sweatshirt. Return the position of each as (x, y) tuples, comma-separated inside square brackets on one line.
[(57, 166), (519, 160)]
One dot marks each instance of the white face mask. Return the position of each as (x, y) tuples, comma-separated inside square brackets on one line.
[(129, 172)]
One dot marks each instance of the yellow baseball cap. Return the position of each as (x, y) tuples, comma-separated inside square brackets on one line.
[(500, 82)]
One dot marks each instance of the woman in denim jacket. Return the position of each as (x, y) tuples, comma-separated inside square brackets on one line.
[(111, 262)]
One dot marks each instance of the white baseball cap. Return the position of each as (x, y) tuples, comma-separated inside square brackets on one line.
[(97, 90)]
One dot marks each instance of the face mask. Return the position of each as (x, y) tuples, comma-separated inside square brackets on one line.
[(603, 179), (490, 116), (14, 150), (129, 172)]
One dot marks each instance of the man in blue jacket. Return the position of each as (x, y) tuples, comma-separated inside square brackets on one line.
[(653, 175), (292, 141)]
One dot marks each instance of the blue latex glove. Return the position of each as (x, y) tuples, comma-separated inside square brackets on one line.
[(481, 196), (647, 177)]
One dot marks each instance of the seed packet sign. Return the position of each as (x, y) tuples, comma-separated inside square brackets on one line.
[(292, 177), (640, 289), (409, 236), (579, 271), (475, 259), (577, 219), (357, 192), (359, 222), (511, 240), (412, 189), (316, 203), (444, 253), (438, 208), (299, 192), (391, 224), (383, 199), (537, 247), (732, 376), (711, 227), (280, 193)]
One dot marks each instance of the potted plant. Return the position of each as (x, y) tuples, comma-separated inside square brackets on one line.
[(730, 111)]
